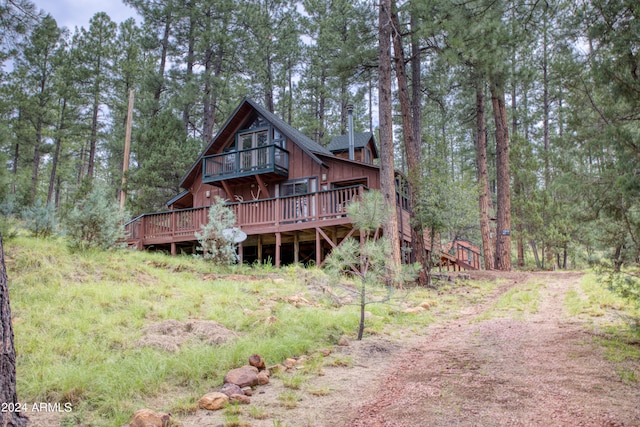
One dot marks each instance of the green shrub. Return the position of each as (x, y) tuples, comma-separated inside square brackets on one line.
[(214, 244), (40, 219), (95, 222)]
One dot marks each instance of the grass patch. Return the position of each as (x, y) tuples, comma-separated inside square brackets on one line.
[(516, 302), (324, 391), (289, 399), (615, 320), (258, 412), (294, 381), (573, 303), (344, 361)]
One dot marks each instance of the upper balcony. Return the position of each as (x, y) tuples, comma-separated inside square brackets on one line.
[(240, 164)]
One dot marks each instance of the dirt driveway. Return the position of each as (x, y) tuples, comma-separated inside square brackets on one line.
[(468, 369), (542, 370)]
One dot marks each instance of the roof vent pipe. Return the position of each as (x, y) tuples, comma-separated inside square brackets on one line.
[(350, 131)]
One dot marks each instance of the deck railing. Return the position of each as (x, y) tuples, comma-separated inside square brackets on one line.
[(165, 227), (267, 158), (466, 255)]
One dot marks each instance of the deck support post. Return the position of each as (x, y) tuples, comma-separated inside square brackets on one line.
[(240, 254), (318, 247), (278, 247), (296, 248), (174, 250), (260, 249)]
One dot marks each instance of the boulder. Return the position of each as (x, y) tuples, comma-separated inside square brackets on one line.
[(149, 418), (213, 401), (263, 378), (343, 341), (257, 361), (231, 389), (240, 398), (246, 376), (248, 391)]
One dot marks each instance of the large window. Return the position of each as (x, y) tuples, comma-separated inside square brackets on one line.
[(252, 157), (294, 188), (295, 204)]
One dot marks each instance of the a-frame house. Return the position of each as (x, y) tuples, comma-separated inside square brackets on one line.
[(288, 193)]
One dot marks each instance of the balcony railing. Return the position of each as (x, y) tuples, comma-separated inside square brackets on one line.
[(234, 164), (258, 216)]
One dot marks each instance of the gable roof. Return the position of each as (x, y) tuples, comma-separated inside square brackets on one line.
[(307, 144), (360, 140), (310, 147)]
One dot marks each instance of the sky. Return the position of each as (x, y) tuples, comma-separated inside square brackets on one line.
[(77, 13)]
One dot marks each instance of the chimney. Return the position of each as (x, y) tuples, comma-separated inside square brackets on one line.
[(350, 131)]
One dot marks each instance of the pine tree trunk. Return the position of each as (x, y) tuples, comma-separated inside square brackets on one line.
[(413, 150), (93, 140), (163, 63), (8, 395), (56, 154), (36, 161), (191, 41), (387, 178), (484, 200), (503, 226)]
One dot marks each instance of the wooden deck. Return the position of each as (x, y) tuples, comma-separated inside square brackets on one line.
[(264, 216), (314, 217)]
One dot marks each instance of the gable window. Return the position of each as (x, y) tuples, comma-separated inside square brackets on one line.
[(250, 143)]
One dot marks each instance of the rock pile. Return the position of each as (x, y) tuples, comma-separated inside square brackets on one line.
[(238, 385)]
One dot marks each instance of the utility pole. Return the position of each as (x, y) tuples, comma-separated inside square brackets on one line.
[(127, 150)]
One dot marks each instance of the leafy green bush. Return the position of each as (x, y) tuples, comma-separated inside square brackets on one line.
[(40, 219), (214, 244), (95, 222)]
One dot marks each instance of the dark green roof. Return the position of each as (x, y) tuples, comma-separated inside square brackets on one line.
[(341, 143)]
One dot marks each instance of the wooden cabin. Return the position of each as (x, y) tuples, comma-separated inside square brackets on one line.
[(288, 193)]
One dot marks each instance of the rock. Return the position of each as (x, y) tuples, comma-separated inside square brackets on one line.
[(413, 310), (289, 363), (344, 341), (276, 368), (263, 378), (248, 391), (240, 398), (230, 389), (257, 361), (425, 305), (325, 351), (148, 418), (246, 376), (213, 401)]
